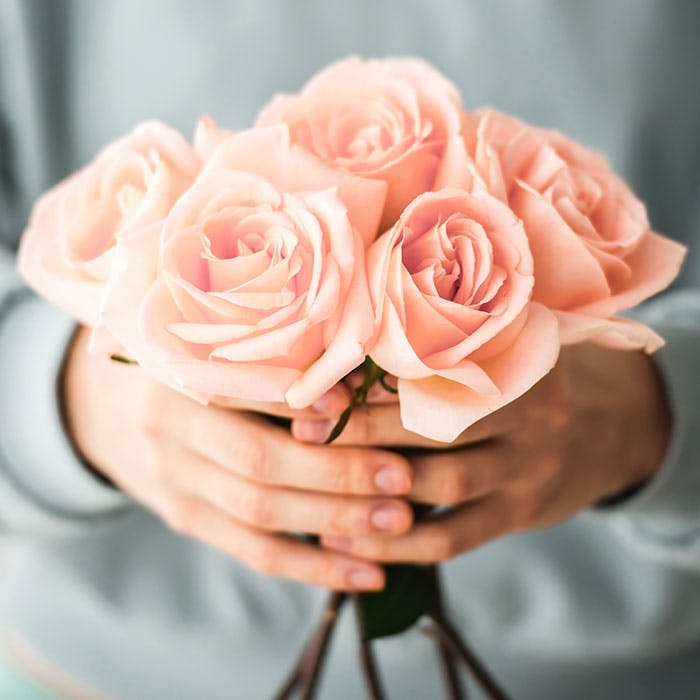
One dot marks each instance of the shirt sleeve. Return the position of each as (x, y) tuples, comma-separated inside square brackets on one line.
[(44, 487), (662, 520)]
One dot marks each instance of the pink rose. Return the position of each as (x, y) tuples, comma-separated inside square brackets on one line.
[(451, 284), (384, 119), (255, 289), (67, 250), (593, 249)]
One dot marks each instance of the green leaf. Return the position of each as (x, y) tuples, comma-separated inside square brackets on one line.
[(407, 596)]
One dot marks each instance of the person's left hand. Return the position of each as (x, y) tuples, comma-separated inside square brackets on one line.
[(597, 425)]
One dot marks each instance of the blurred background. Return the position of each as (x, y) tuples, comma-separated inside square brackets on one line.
[(620, 76)]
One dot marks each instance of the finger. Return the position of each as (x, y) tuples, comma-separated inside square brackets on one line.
[(273, 554), (456, 476), (381, 425), (331, 404), (250, 447), (283, 510), (438, 539)]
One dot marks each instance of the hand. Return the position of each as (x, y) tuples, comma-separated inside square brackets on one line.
[(595, 426), (231, 479)]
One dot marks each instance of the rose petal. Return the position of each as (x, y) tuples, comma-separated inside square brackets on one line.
[(441, 410), (616, 333), (268, 152), (178, 363), (654, 265), (566, 274)]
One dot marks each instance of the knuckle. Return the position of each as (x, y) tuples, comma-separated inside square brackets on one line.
[(264, 558), (357, 474), (341, 470), (378, 550), (157, 466), (444, 545), (561, 415), (150, 413), (454, 486), (253, 455), (527, 509), (339, 519), (327, 573), (361, 431), (550, 464), (181, 515), (559, 407), (256, 509)]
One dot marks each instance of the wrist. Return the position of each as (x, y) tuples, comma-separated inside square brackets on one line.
[(647, 428), (69, 400), (655, 424)]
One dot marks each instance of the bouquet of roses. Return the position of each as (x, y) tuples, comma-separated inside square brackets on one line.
[(367, 222)]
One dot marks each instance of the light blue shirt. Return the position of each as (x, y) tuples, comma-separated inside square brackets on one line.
[(97, 596)]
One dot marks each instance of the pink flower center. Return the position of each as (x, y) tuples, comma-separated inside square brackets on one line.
[(454, 260)]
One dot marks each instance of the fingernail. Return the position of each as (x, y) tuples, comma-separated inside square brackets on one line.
[(392, 479), (388, 517), (364, 578), (312, 430)]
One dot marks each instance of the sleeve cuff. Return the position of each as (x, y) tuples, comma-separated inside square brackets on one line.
[(33, 340), (666, 511)]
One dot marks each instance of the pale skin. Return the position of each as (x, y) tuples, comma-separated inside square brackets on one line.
[(595, 426)]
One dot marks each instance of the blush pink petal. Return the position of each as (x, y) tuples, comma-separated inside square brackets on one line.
[(616, 333), (268, 152), (412, 176), (42, 262), (391, 349), (403, 110), (521, 287), (420, 316), (347, 349), (354, 70), (216, 333), (68, 250), (566, 274), (133, 271), (168, 142), (654, 265), (215, 188), (78, 297), (201, 377), (441, 410), (470, 374), (276, 343), (207, 136), (456, 169)]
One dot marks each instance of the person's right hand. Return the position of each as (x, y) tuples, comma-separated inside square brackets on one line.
[(230, 478)]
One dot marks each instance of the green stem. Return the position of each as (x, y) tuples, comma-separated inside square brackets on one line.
[(123, 359), (373, 373)]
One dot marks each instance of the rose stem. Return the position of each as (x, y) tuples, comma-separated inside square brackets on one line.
[(447, 660), (452, 682), (449, 636), (308, 668), (454, 645), (369, 666)]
